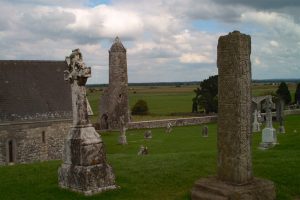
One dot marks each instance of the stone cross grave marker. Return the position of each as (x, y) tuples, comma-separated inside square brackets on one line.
[(84, 167), (269, 137)]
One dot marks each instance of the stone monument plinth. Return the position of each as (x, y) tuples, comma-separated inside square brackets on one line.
[(234, 178), (84, 167)]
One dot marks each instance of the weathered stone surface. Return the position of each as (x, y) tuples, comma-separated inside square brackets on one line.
[(169, 127), (143, 151), (269, 137), (204, 131), (255, 124), (234, 115), (234, 178), (280, 115), (214, 189), (33, 141), (114, 101), (85, 168), (122, 138), (148, 134), (88, 180)]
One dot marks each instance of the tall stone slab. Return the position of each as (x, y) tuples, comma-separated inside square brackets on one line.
[(84, 167), (280, 114), (255, 123), (234, 178), (114, 101)]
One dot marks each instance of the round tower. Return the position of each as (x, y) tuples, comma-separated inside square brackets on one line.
[(114, 102), (117, 65)]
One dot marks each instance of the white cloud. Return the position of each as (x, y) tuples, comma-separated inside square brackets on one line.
[(274, 43), (162, 39), (106, 21), (194, 58)]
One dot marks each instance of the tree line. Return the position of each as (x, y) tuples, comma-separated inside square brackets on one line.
[(206, 97)]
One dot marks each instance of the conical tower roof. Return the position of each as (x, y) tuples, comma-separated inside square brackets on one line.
[(117, 46)]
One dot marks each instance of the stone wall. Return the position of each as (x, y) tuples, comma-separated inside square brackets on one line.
[(174, 122), (291, 112), (32, 141)]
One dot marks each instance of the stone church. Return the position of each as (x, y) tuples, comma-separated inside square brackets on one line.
[(114, 101), (35, 110)]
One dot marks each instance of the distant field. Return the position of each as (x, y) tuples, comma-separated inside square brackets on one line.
[(174, 163), (164, 101)]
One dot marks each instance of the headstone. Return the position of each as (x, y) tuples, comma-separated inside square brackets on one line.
[(234, 178), (255, 124), (143, 151), (122, 138), (84, 167), (148, 134), (269, 137), (204, 131), (280, 114), (169, 127), (260, 119)]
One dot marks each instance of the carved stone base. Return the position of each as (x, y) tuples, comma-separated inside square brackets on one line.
[(266, 145), (85, 169), (122, 139), (269, 138), (255, 127), (213, 189), (281, 129), (88, 180)]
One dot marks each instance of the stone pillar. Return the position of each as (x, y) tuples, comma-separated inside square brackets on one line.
[(234, 167), (84, 167), (280, 114), (255, 123), (122, 138)]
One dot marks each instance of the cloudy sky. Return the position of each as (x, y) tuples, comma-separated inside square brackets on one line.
[(166, 40)]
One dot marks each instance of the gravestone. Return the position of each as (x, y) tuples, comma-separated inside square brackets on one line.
[(143, 151), (122, 138), (234, 167), (169, 127), (255, 124), (204, 131), (148, 134), (280, 114), (84, 167), (269, 137)]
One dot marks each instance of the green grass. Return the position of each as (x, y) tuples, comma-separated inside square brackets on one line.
[(174, 163), (165, 100)]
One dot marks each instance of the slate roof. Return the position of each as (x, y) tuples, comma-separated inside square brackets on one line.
[(34, 90)]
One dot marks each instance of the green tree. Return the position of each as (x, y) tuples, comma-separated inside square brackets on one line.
[(297, 94), (284, 93), (140, 108), (207, 94)]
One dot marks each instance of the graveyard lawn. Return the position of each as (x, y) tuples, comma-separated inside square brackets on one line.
[(175, 161)]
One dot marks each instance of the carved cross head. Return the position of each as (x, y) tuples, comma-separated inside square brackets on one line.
[(77, 70)]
